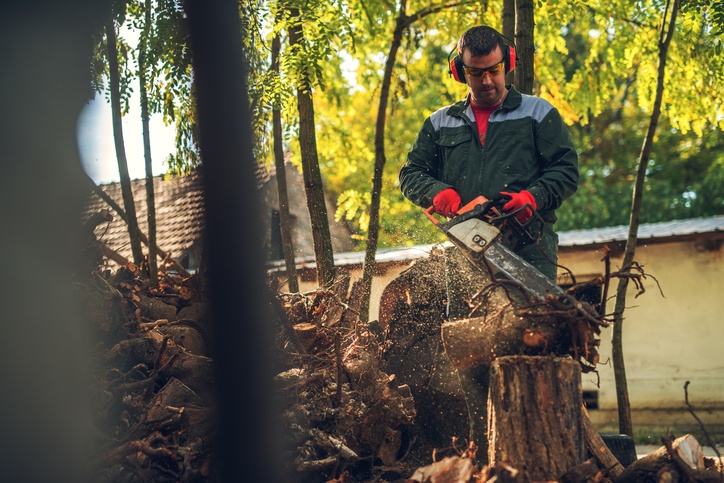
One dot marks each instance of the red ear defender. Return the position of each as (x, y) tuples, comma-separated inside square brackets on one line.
[(455, 68), (512, 59)]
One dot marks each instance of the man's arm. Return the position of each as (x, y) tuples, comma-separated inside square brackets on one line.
[(559, 177), (418, 177)]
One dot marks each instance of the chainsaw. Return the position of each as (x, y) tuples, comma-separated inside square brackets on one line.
[(487, 237)]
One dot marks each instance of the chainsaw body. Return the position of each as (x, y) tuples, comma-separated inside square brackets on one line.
[(489, 240)]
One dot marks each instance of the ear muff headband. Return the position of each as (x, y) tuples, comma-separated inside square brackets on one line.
[(455, 65)]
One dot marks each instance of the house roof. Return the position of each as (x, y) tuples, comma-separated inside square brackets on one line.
[(647, 233), (179, 213)]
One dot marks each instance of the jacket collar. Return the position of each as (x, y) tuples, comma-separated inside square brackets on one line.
[(511, 101)]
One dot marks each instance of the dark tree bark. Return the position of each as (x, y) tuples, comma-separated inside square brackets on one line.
[(286, 219), (242, 360), (313, 186), (403, 23), (509, 29), (624, 406), (114, 81), (150, 197), (525, 47), (534, 414)]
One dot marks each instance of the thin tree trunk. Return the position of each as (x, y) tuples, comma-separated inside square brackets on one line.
[(380, 159), (509, 29), (624, 406), (114, 81), (313, 187), (403, 22), (285, 218), (525, 48), (150, 197)]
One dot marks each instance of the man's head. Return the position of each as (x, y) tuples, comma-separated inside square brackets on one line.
[(484, 58), (482, 40)]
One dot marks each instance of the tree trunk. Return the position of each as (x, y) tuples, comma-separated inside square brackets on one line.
[(285, 218), (534, 416), (509, 30), (403, 22), (624, 406), (150, 197), (374, 211), (242, 364), (114, 81), (525, 47), (310, 170)]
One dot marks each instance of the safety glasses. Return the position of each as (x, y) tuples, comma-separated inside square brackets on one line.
[(492, 70)]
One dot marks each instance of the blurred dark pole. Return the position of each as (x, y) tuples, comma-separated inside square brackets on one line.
[(248, 447), (45, 48)]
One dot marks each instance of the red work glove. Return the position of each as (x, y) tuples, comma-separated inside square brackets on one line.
[(518, 200), (447, 202)]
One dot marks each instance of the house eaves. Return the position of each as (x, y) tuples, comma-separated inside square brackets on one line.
[(665, 231)]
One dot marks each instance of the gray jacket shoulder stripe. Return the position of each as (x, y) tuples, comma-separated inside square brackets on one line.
[(531, 106), (440, 119)]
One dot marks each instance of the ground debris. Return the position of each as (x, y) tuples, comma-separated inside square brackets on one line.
[(343, 413)]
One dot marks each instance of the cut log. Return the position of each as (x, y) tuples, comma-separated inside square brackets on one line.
[(534, 416), (306, 334), (479, 340), (683, 460), (453, 469)]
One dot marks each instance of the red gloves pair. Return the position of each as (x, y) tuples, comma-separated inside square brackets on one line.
[(447, 203)]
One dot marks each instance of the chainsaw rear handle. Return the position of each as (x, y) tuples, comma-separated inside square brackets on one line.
[(480, 206)]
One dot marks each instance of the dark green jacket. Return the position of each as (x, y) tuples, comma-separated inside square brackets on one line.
[(527, 146)]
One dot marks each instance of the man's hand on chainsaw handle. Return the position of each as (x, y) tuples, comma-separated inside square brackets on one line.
[(447, 202), (518, 200)]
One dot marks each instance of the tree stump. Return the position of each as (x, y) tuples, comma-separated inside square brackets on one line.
[(534, 416)]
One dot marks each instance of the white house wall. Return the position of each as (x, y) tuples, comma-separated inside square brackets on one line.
[(667, 339)]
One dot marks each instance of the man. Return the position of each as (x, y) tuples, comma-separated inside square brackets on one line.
[(496, 143)]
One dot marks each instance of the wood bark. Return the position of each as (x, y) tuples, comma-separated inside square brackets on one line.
[(619, 369), (680, 460), (508, 16), (479, 340), (534, 416), (313, 187), (114, 81), (281, 173), (150, 196), (525, 46)]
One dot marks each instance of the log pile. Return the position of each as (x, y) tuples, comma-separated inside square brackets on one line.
[(153, 380), (153, 384), (347, 416)]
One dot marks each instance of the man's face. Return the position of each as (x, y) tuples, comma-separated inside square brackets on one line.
[(488, 88)]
